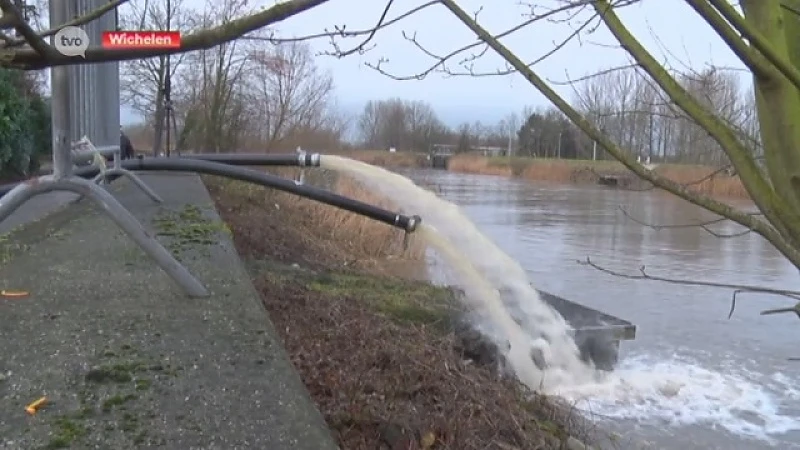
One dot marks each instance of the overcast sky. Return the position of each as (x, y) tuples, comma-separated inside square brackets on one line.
[(669, 29)]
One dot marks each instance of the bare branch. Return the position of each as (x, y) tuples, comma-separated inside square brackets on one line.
[(36, 42), (738, 288), (441, 60), (341, 32), (29, 59), (756, 40), (643, 275), (361, 48), (82, 20), (794, 309)]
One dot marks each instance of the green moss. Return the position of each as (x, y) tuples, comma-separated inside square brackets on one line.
[(140, 438), (129, 423), (114, 373), (10, 247), (409, 302), (117, 400), (67, 432), (143, 384), (187, 228)]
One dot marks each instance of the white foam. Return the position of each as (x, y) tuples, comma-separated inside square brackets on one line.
[(681, 392)]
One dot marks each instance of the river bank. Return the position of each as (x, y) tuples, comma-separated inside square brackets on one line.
[(385, 357), (702, 179)]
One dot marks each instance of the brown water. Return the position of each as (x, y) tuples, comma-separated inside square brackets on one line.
[(692, 378)]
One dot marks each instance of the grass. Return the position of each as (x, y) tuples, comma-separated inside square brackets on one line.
[(404, 301)]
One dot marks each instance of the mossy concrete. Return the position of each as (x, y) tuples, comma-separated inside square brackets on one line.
[(124, 358)]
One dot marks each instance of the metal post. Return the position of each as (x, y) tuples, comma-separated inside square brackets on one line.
[(64, 100), (168, 88), (559, 143), (60, 100), (119, 171)]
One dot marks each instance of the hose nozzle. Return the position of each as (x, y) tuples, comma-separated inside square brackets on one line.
[(412, 223)]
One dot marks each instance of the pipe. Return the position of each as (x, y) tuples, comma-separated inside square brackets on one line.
[(236, 159), (407, 223), (255, 159)]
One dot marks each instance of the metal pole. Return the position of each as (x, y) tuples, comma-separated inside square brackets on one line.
[(168, 87), (559, 144), (60, 100), (65, 104)]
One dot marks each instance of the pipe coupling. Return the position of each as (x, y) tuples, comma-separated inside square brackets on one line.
[(308, 159)]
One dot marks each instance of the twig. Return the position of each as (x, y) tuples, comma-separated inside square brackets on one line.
[(794, 309), (360, 48), (82, 20), (738, 288), (341, 31), (702, 225), (441, 61), (36, 42)]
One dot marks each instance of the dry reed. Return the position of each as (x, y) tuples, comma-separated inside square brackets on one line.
[(387, 159), (349, 238), (696, 178)]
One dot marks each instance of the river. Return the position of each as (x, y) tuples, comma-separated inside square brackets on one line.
[(732, 385)]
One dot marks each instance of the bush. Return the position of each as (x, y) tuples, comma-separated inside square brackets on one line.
[(24, 126)]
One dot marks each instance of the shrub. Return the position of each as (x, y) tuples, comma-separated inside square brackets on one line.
[(24, 126)]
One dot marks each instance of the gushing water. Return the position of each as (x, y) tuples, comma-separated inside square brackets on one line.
[(542, 354), (539, 347)]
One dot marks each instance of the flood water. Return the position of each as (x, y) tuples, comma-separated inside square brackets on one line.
[(732, 384)]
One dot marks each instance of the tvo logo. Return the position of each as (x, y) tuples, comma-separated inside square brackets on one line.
[(71, 41)]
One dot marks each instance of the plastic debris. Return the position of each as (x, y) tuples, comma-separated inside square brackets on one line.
[(35, 406)]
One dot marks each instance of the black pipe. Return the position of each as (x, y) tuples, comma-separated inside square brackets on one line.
[(233, 159), (407, 223), (255, 159)]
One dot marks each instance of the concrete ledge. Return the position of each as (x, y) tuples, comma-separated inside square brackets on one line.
[(125, 359), (38, 208)]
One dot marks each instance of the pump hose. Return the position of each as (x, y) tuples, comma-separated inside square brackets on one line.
[(197, 165)]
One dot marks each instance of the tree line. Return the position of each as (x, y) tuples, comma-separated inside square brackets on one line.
[(251, 94), (628, 108)]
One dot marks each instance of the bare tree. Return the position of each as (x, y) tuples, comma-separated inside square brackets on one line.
[(405, 125), (214, 102), (142, 82), (290, 92)]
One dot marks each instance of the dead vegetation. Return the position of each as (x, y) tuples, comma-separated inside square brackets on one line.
[(701, 179), (384, 158), (387, 360)]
